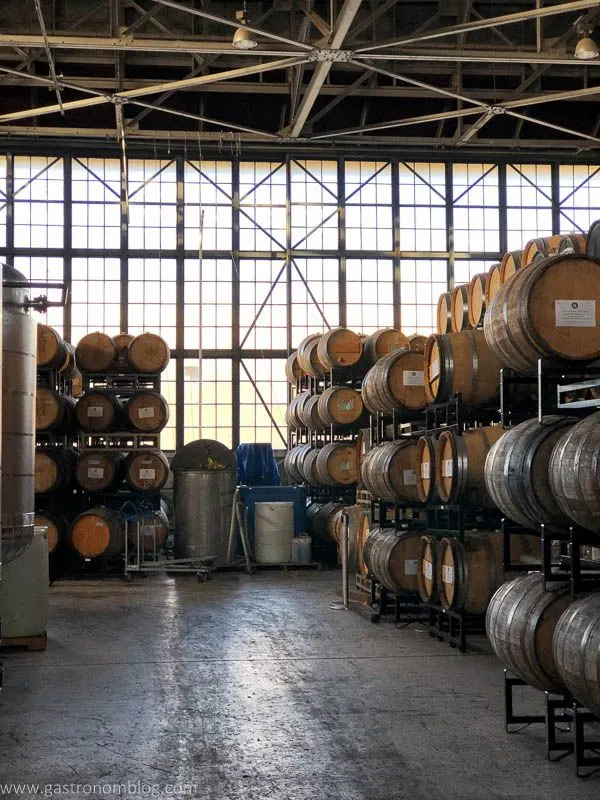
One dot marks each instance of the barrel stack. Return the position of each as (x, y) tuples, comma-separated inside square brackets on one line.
[(99, 413)]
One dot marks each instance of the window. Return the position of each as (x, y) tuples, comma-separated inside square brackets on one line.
[(153, 297), (263, 304), (369, 206), (208, 196), (528, 203), (263, 400), (476, 208), (151, 203), (314, 205), (42, 268), (421, 283), (214, 393), (422, 207), (579, 197), (95, 296), (262, 206), (369, 294), (315, 296), (38, 198), (96, 192)]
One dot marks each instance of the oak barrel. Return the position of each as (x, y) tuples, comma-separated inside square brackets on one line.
[(148, 353), (427, 578), (417, 342), (307, 413), (459, 302), (307, 466), (393, 558), (54, 468), (95, 352), (292, 412), (340, 349), (546, 311), (520, 623), (325, 521), (121, 342), (382, 342), (572, 243), (511, 263), (573, 472), (153, 532), (55, 528), (444, 313), (538, 249), (426, 489), (99, 411), (340, 405), (469, 572), (337, 464), (147, 411), (98, 532), (460, 464), (461, 362), (51, 350), (308, 357), (99, 470), (517, 472), (146, 470), (290, 462), (576, 645), (494, 282), (53, 411), (389, 471), (476, 298), (293, 370), (396, 381)]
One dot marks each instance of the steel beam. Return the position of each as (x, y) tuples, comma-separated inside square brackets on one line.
[(475, 56)]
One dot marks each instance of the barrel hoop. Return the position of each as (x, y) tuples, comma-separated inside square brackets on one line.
[(462, 464)]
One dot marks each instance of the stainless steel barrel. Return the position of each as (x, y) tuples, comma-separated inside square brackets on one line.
[(19, 343)]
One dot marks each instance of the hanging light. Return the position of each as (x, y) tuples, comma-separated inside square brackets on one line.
[(243, 39), (586, 48)]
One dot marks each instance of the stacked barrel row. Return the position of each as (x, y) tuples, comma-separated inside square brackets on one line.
[(70, 479)]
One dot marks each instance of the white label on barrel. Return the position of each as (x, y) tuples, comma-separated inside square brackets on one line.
[(144, 413), (411, 566), (346, 405), (410, 477), (575, 313), (147, 474), (425, 470), (447, 574), (428, 569), (447, 468), (95, 472), (95, 411), (345, 466), (434, 369), (413, 377)]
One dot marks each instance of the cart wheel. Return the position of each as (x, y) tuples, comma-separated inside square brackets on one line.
[(203, 576), (128, 577)]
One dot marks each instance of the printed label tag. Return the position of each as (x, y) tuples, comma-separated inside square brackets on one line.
[(345, 466), (413, 377), (95, 472), (447, 468), (425, 470), (147, 474), (411, 566), (428, 569), (410, 477), (575, 313), (346, 405), (94, 461), (145, 413), (434, 369), (95, 411), (448, 574)]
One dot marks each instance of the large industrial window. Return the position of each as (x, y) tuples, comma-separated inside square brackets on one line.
[(235, 260)]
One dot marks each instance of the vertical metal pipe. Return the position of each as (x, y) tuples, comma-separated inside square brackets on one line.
[(396, 243), (342, 242), (503, 216), (180, 307), (449, 224), (345, 548), (555, 180), (68, 243)]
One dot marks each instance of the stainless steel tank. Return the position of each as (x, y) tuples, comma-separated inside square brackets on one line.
[(203, 501), (19, 343)]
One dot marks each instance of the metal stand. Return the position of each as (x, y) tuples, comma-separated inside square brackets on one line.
[(450, 626)]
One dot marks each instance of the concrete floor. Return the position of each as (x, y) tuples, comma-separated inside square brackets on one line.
[(253, 688)]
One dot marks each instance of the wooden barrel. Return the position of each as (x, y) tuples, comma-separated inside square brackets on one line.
[(99, 411), (425, 458), (147, 411), (98, 532), (461, 362), (469, 573), (54, 468), (389, 471), (573, 472), (427, 578), (308, 414), (292, 416), (546, 311), (153, 533), (572, 243), (290, 462), (396, 381), (95, 353), (148, 353), (459, 302), (393, 558), (146, 470), (340, 405), (51, 347), (538, 249), (337, 464), (53, 411), (325, 521), (293, 370), (307, 467), (517, 472), (417, 342), (520, 622), (460, 464), (55, 528), (575, 648), (493, 284), (99, 470), (340, 349), (121, 361), (476, 299), (511, 263), (382, 342), (359, 529), (308, 357), (444, 313)]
